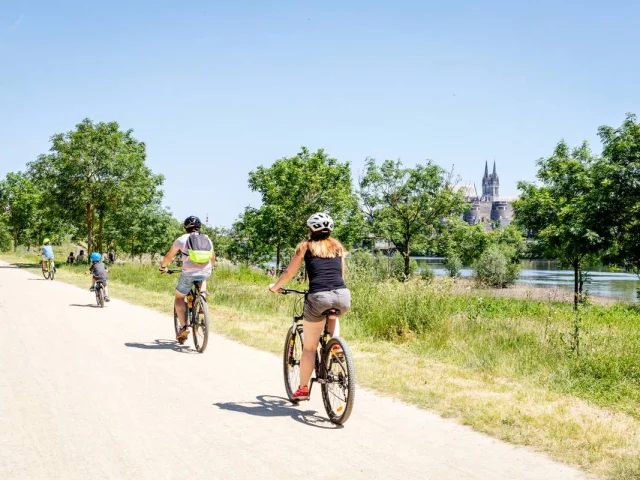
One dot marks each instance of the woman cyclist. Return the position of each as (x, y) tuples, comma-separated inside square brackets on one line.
[(324, 260)]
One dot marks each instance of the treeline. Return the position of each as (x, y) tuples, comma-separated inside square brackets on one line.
[(94, 185)]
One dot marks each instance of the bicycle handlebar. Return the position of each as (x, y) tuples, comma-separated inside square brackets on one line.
[(285, 291)]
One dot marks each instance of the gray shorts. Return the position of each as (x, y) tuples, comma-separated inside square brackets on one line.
[(186, 281), (317, 303)]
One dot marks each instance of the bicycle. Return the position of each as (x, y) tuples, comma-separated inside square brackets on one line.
[(334, 368), (50, 272), (197, 315), (99, 293)]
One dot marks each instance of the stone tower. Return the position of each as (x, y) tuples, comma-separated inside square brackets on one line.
[(490, 184)]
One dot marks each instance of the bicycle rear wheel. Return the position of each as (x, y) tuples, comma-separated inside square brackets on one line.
[(200, 324), (45, 272), (52, 270), (339, 389), (291, 358), (100, 296)]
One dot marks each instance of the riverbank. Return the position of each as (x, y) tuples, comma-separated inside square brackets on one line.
[(504, 366)]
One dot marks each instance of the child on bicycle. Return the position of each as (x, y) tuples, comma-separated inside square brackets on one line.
[(324, 260), (46, 252), (198, 259), (99, 274)]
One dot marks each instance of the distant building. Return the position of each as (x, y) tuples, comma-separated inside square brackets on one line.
[(489, 206)]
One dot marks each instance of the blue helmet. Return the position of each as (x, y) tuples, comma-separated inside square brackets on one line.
[(95, 257)]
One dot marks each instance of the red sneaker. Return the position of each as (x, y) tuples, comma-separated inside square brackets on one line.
[(302, 393)]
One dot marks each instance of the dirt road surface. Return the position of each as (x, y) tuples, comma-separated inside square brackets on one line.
[(89, 393)]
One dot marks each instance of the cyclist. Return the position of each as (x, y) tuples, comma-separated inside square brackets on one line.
[(46, 252), (198, 259), (99, 271), (324, 261)]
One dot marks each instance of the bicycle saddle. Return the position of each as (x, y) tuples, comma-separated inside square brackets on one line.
[(331, 311)]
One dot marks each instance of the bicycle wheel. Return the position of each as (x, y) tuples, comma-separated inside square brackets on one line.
[(338, 392), (200, 324), (45, 272), (291, 362), (52, 270), (100, 296)]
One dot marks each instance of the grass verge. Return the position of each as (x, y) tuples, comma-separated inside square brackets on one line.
[(502, 366)]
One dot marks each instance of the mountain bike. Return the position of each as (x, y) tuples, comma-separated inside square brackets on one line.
[(99, 293), (197, 315), (50, 272), (334, 369)]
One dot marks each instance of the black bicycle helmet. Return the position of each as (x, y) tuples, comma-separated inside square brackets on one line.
[(192, 222)]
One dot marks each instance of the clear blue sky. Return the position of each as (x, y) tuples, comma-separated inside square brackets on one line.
[(218, 88)]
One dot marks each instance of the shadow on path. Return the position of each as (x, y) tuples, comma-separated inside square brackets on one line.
[(88, 305), (39, 279), (21, 265), (270, 406), (162, 345)]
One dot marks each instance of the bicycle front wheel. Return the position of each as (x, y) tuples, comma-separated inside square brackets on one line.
[(200, 325), (339, 388), (291, 358)]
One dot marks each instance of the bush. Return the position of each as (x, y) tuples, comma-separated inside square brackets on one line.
[(363, 265), (453, 265), (6, 243), (427, 274), (397, 267), (496, 268)]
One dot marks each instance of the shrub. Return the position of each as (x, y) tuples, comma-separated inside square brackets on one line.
[(427, 274), (397, 267), (453, 265), (496, 268)]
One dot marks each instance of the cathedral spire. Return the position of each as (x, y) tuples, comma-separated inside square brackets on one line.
[(494, 167), (486, 169)]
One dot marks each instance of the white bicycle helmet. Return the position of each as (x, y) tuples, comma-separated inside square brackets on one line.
[(320, 222)]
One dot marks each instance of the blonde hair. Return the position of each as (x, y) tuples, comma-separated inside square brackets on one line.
[(325, 248)]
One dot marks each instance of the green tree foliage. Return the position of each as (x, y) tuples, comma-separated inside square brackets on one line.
[(94, 171), (406, 205), (616, 196), (250, 238), (558, 214), (19, 199), (6, 241), (291, 190)]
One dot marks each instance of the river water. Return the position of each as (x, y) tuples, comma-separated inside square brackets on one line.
[(545, 273)]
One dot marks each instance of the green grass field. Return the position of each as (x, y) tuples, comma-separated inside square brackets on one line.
[(504, 366)]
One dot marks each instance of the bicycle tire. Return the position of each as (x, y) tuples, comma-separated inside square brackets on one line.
[(200, 324), (291, 358), (45, 273), (343, 370), (100, 296), (52, 271), (176, 323)]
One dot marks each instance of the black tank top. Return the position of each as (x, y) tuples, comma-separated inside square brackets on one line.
[(325, 274)]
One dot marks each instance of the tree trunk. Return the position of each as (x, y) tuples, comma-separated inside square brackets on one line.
[(133, 239), (407, 259), (100, 225), (15, 240), (576, 293), (277, 257), (89, 228)]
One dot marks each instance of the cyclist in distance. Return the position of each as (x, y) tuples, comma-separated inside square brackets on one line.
[(46, 252), (324, 260), (198, 259)]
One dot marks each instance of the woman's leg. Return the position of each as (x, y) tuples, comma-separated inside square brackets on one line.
[(312, 332)]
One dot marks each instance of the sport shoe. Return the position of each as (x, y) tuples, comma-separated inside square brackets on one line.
[(302, 393), (183, 335), (92, 288), (107, 299)]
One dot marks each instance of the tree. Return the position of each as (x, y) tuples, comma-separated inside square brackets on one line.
[(19, 199), (247, 245), (558, 215), (294, 188), (93, 171), (5, 236), (406, 205), (616, 196)]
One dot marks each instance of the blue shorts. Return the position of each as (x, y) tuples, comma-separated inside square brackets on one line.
[(185, 282)]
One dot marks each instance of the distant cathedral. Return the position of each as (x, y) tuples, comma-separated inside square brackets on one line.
[(488, 207)]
